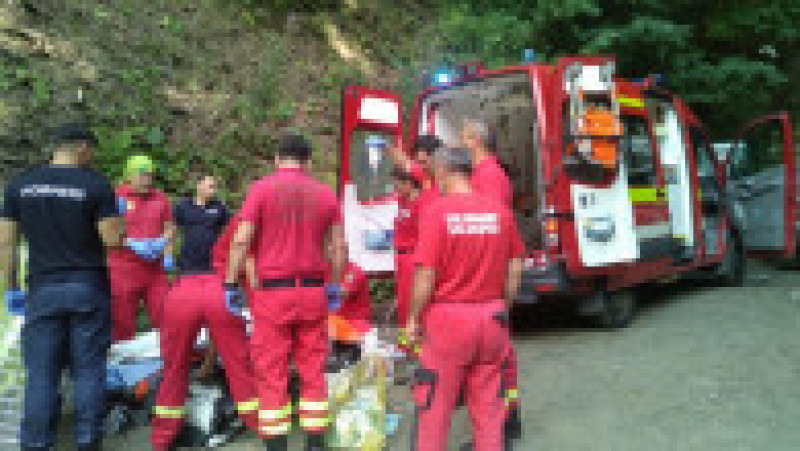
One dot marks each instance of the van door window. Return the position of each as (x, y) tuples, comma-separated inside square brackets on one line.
[(370, 165), (637, 152)]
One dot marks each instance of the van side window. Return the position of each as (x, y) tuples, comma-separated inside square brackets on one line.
[(704, 159), (370, 166), (702, 154), (637, 151)]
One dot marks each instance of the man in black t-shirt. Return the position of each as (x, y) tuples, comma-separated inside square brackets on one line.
[(196, 300), (201, 220), (68, 215)]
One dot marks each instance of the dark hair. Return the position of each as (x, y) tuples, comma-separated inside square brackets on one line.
[(427, 144), (456, 159), (402, 175), (295, 147), (74, 133)]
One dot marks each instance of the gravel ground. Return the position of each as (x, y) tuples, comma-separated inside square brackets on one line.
[(701, 368)]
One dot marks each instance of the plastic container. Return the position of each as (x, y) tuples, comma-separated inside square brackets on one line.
[(12, 385)]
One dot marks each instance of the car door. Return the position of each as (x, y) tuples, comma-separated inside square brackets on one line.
[(645, 188), (762, 186), (371, 122), (709, 193)]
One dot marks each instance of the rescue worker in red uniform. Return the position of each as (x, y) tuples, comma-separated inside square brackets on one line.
[(490, 179), (468, 268), (294, 219), (353, 319), (139, 271), (197, 300), (411, 199), (407, 189)]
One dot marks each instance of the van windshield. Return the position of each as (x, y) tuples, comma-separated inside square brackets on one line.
[(506, 104)]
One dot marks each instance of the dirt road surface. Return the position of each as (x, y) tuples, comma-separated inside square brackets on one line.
[(701, 368)]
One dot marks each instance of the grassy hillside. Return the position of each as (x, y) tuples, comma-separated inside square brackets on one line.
[(196, 84)]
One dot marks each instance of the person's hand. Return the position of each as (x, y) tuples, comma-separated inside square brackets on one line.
[(157, 246), (140, 247), (15, 301), (146, 248), (169, 263), (334, 293), (413, 332), (234, 298)]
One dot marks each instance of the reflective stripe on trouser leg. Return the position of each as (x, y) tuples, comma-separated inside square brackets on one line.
[(512, 398), (314, 415), (248, 406), (169, 412), (275, 422)]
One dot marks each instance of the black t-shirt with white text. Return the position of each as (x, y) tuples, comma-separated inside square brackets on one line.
[(201, 226), (57, 209)]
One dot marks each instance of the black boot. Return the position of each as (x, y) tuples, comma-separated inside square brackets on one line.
[(315, 442), (513, 426), (277, 444)]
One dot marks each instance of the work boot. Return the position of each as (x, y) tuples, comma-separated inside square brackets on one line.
[(513, 426), (277, 444), (315, 442)]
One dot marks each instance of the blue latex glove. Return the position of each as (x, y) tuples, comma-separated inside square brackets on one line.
[(15, 301), (122, 205), (334, 293), (169, 263), (157, 246), (234, 298), (140, 247), (147, 248)]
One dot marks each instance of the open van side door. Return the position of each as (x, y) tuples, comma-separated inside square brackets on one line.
[(371, 122), (762, 186)]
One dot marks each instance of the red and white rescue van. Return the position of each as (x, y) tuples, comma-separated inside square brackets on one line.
[(615, 182)]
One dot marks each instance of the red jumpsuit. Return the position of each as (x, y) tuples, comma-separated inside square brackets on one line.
[(405, 235), (467, 240), (133, 278), (291, 214), (489, 179), (355, 314), (196, 301), (406, 231)]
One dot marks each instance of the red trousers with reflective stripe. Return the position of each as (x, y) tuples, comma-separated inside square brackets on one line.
[(510, 376), (132, 282), (290, 324), (404, 282), (463, 348), (197, 301)]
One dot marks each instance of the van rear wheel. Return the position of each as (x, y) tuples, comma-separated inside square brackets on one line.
[(617, 310)]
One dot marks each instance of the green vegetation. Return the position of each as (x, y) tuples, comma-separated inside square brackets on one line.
[(210, 84)]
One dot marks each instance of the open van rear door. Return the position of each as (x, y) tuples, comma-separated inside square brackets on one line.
[(762, 185), (371, 122)]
